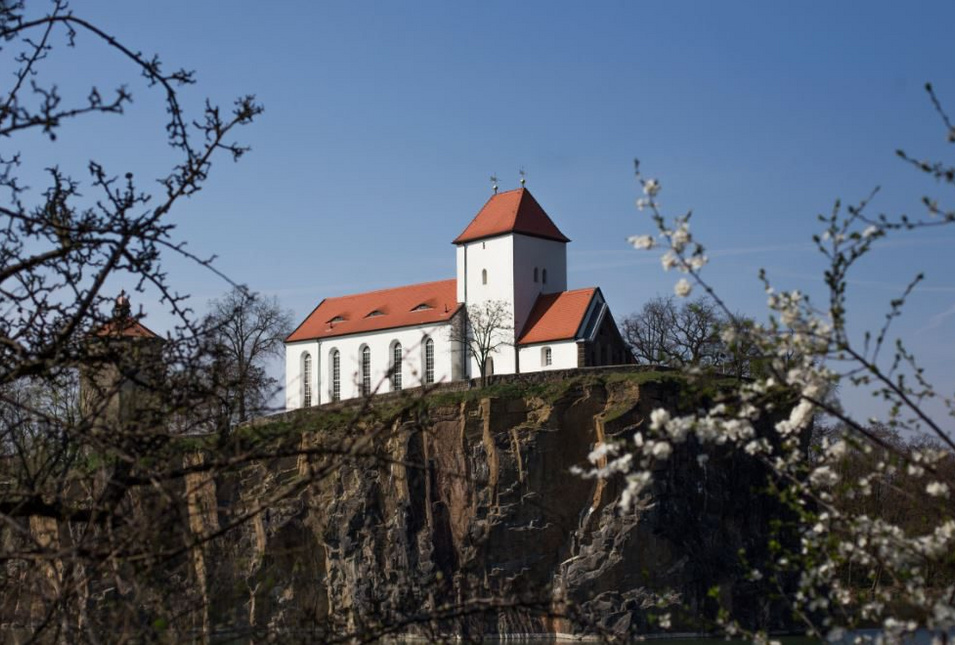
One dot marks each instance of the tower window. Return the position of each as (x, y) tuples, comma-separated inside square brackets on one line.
[(396, 367), (483, 276), (429, 361), (307, 380), (365, 370), (336, 376), (544, 276), (535, 274)]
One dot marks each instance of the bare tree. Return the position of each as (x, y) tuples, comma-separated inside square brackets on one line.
[(664, 334), (649, 333), (695, 334), (489, 327), (246, 330), (696, 328), (740, 350), (68, 482)]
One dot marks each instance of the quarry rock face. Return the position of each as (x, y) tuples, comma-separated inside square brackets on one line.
[(473, 504), (455, 514)]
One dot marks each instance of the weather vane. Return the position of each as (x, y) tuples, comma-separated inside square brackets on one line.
[(494, 183), (523, 177)]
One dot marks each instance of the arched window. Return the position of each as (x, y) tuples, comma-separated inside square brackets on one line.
[(306, 380), (335, 367), (547, 357), (396, 367), (535, 274), (365, 370), (429, 361), (544, 276), (483, 276)]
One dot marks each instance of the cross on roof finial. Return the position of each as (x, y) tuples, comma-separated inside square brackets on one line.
[(523, 177), (494, 183)]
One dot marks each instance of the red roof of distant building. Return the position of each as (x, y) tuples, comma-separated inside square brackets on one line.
[(514, 211), (127, 328), (556, 316), (416, 304)]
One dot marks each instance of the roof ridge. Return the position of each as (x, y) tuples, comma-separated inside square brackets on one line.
[(403, 286)]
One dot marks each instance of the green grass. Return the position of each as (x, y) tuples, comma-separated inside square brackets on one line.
[(548, 391)]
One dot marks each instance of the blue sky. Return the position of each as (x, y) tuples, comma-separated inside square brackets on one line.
[(384, 121)]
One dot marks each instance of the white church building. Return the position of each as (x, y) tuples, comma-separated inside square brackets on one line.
[(511, 254)]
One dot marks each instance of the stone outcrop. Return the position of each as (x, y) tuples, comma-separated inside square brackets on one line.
[(470, 501), (458, 514)]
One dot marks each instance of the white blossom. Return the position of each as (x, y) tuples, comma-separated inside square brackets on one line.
[(659, 418), (661, 450), (642, 241), (824, 476), (680, 238), (937, 489), (683, 288), (810, 357), (669, 260)]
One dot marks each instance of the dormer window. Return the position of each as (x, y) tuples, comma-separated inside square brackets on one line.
[(423, 307), (336, 319), (376, 312)]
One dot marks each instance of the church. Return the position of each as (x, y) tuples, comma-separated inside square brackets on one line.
[(511, 256)]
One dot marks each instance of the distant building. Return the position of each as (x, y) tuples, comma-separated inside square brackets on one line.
[(122, 373), (386, 340)]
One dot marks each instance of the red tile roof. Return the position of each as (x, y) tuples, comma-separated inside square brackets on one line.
[(127, 328), (556, 316), (515, 211), (416, 304)]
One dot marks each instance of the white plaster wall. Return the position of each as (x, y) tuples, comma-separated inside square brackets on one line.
[(509, 261), (293, 372), (349, 347), (459, 258), (563, 356), (531, 253), (496, 256)]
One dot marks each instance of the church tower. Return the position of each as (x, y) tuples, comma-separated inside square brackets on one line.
[(120, 378), (510, 252)]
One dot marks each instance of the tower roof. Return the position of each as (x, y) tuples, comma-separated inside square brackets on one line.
[(514, 211), (123, 323)]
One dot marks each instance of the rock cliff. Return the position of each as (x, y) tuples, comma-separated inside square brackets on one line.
[(449, 514), (464, 507)]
